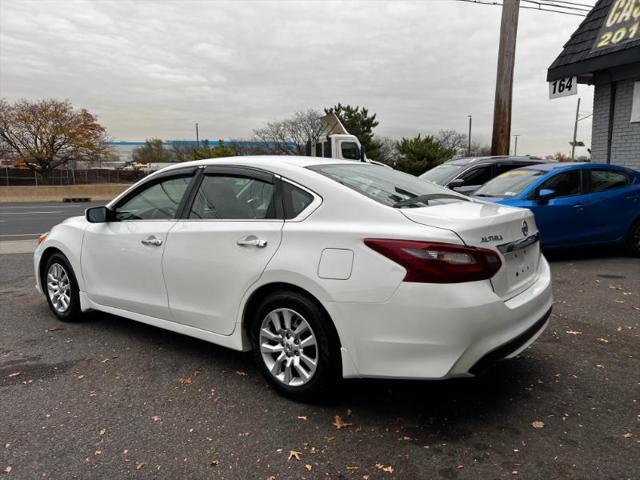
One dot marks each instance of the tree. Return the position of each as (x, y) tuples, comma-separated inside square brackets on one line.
[(357, 122), (453, 140), (220, 150), (478, 150), (153, 151), (290, 136), (388, 151), (561, 157), (46, 134), (419, 154)]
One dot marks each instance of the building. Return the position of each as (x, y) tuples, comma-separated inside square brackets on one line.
[(605, 52)]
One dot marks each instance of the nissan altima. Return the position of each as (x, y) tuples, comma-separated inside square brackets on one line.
[(323, 268)]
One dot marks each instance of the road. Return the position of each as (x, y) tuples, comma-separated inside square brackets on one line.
[(111, 398), (20, 221)]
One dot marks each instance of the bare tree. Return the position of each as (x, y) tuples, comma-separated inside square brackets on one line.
[(49, 133), (453, 140), (290, 136)]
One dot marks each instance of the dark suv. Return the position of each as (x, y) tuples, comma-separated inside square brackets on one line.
[(466, 175)]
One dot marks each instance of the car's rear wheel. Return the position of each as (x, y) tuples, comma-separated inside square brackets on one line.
[(294, 346), (633, 240), (61, 288)]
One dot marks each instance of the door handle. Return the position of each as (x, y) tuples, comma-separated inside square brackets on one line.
[(153, 241), (252, 241)]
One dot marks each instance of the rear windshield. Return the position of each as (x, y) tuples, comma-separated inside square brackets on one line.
[(387, 186), (442, 174), (509, 184)]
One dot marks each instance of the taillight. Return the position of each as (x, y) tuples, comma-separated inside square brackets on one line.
[(430, 262)]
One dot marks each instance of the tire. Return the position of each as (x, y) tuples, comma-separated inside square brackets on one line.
[(633, 240), (57, 275), (309, 336)]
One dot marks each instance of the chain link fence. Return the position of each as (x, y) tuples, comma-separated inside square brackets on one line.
[(10, 176)]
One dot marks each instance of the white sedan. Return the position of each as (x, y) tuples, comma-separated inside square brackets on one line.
[(324, 268)]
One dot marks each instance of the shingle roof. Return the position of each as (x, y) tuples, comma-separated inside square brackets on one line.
[(577, 56)]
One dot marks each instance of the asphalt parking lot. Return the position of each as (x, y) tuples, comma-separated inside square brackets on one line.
[(111, 398)]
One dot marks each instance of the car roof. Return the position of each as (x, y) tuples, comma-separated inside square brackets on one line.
[(270, 162), (496, 159)]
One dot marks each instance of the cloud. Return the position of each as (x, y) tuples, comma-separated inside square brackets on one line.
[(154, 68)]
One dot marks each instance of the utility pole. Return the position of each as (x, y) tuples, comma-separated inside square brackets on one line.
[(504, 78), (197, 137), (515, 148), (575, 132), (469, 150)]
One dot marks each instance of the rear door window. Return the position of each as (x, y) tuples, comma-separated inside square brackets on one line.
[(601, 180), (227, 197)]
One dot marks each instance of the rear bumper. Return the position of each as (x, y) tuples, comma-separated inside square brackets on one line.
[(428, 331)]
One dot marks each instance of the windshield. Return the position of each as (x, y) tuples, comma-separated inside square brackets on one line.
[(509, 184), (442, 174), (388, 186)]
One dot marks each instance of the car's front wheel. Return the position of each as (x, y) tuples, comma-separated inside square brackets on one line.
[(633, 240), (61, 288), (295, 346)]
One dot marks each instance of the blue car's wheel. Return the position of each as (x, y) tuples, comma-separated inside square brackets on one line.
[(633, 240)]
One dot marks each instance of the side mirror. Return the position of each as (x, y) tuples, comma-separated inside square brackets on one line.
[(98, 214), (545, 195), (458, 182), (363, 157)]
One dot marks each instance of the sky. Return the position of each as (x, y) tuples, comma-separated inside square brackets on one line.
[(153, 68)]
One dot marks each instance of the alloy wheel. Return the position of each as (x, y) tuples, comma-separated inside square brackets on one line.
[(58, 288), (288, 347)]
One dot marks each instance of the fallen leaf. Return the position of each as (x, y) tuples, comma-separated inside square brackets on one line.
[(537, 424), (7, 469), (103, 431), (573, 332), (243, 434), (514, 472), (186, 381), (603, 340), (97, 452), (80, 377), (140, 465), (352, 467), (294, 454), (7, 445), (302, 417), (215, 462), (405, 439), (308, 467), (241, 373), (388, 469), (14, 374), (271, 477), (628, 435), (156, 418), (618, 328), (339, 423)]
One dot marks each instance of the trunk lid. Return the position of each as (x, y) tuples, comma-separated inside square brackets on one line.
[(511, 231)]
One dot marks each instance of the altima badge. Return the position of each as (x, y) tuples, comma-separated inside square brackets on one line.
[(525, 228), (491, 238)]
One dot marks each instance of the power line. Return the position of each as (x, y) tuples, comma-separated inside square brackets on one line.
[(551, 6)]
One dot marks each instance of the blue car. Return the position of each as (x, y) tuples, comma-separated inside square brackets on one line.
[(575, 204)]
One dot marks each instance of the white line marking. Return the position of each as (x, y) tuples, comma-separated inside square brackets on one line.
[(29, 213), (20, 235)]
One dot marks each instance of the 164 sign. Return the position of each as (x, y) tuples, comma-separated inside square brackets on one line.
[(563, 87)]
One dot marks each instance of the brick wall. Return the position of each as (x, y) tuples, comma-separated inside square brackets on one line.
[(625, 143)]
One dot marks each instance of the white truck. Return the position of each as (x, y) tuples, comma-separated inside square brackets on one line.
[(338, 143)]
